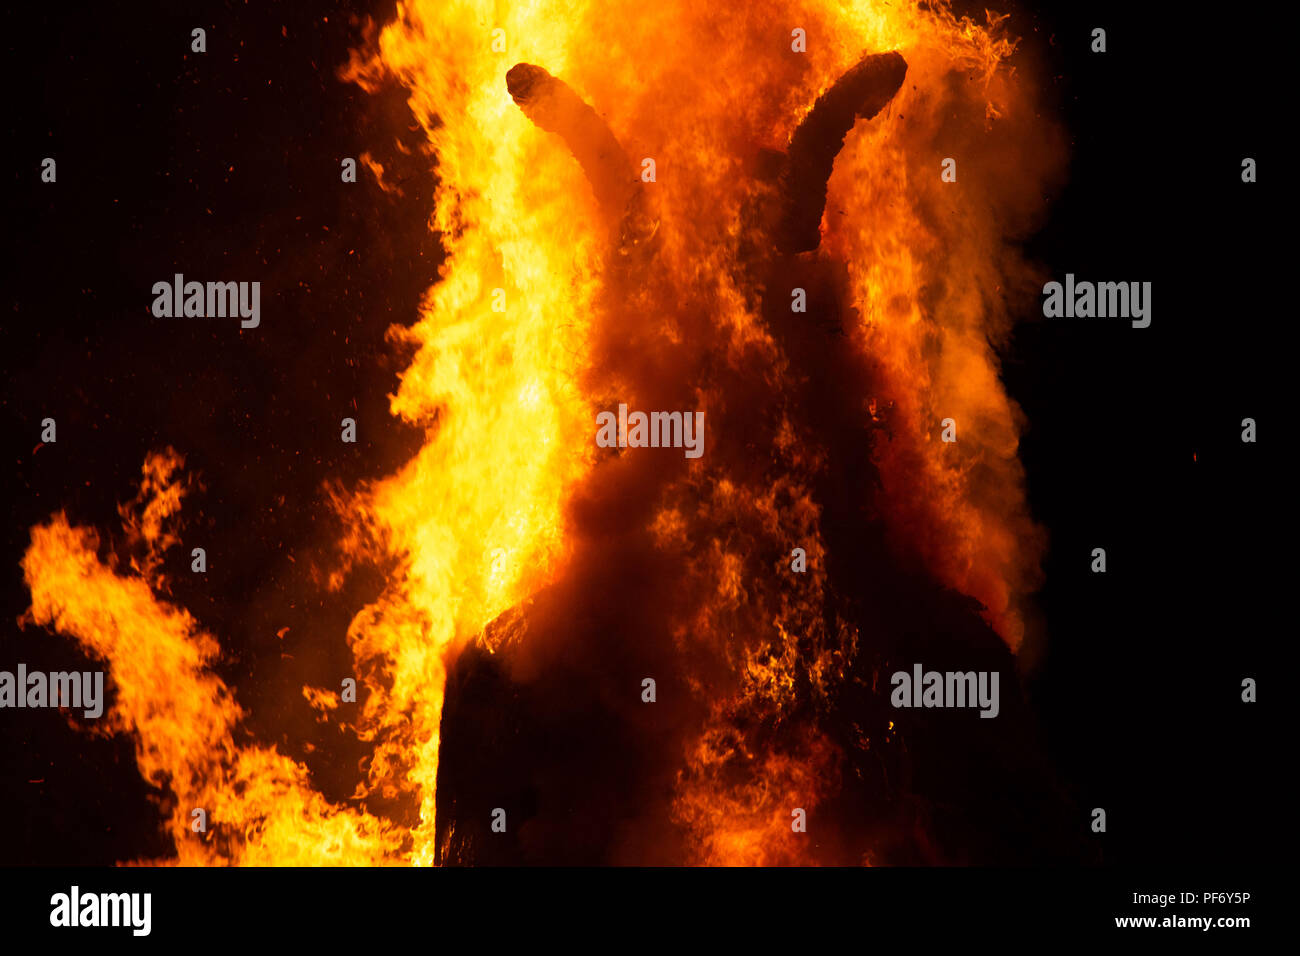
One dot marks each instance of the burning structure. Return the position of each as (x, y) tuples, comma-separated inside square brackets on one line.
[(797, 221)]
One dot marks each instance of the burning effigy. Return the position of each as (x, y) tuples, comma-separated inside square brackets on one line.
[(785, 237)]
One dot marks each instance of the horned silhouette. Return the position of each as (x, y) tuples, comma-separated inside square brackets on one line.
[(574, 761), (793, 225)]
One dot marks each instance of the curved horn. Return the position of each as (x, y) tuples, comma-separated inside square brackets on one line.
[(861, 92), (553, 106)]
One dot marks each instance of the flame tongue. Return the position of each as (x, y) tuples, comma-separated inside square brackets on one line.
[(184, 718)]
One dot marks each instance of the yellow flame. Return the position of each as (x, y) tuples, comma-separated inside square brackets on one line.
[(258, 805)]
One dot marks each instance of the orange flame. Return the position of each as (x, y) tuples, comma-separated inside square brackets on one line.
[(183, 717)]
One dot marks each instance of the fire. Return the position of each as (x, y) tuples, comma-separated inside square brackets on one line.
[(184, 718), (552, 306)]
